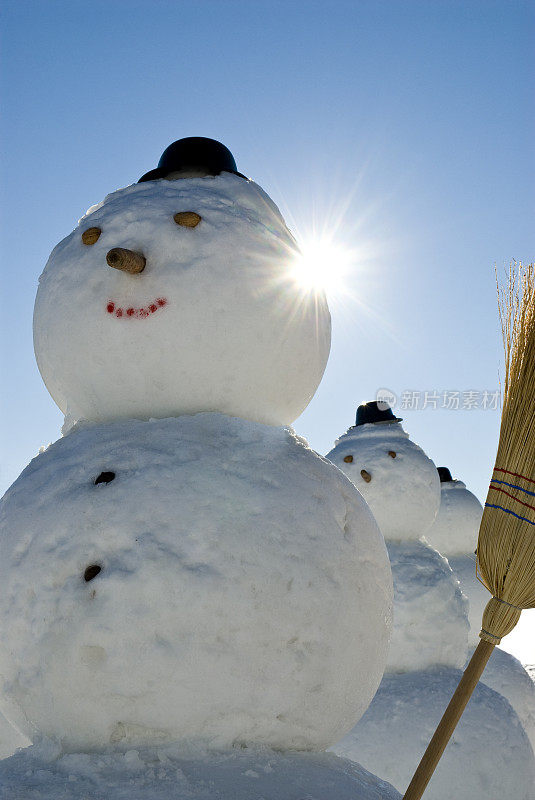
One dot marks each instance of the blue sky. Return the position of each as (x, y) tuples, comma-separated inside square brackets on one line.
[(404, 129)]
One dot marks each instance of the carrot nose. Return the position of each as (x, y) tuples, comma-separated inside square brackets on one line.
[(126, 260)]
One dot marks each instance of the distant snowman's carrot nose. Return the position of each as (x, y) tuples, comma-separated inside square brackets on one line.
[(126, 260)]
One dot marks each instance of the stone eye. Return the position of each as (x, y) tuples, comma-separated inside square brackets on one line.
[(91, 572), (348, 459), (189, 219), (392, 453), (91, 235), (365, 475), (105, 477)]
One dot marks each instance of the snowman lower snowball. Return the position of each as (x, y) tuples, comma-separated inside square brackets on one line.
[(227, 584), (178, 567)]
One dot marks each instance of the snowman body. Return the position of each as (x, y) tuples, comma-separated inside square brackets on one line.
[(489, 755), (226, 551)]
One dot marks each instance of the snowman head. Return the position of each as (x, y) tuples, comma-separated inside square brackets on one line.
[(455, 530), (178, 296), (396, 478)]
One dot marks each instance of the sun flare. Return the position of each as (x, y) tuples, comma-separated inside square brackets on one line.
[(321, 265)]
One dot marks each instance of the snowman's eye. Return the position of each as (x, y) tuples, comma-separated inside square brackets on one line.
[(91, 235), (189, 219), (91, 572), (105, 477), (392, 453), (365, 475), (348, 459)]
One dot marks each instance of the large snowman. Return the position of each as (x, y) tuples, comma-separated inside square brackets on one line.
[(180, 565)]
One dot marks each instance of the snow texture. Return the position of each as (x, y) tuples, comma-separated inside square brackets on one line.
[(456, 527), (488, 758), (404, 490), (244, 594), (505, 674), (430, 612), (10, 738), (166, 773), (464, 569), (215, 321)]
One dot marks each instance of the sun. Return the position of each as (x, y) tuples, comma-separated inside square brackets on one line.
[(321, 265)]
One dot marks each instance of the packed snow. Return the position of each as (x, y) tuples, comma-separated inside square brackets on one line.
[(505, 674), (403, 490), (215, 321), (244, 591), (430, 612), (456, 526), (488, 758), (11, 739), (191, 773), (455, 533)]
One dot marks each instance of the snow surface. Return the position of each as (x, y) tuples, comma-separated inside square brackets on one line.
[(456, 527), (488, 758), (244, 595), (215, 322), (464, 569), (430, 612), (455, 533), (10, 738), (404, 491), (167, 773), (505, 674)]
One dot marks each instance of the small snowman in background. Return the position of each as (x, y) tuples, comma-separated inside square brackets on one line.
[(180, 567), (454, 534), (430, 637), (401, 485)]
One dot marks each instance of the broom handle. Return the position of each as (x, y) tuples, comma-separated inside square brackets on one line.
[(447, 724)]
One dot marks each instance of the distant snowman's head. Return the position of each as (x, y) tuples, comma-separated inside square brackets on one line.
[(175, 295), (455, 530), (396, 478)]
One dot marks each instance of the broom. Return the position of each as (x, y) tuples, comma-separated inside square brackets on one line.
[(506, 542)]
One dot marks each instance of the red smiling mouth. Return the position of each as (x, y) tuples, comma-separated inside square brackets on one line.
[(135, 313)]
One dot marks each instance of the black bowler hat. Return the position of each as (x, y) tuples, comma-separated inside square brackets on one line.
[(194, 152), (371, 412), (445, 474)]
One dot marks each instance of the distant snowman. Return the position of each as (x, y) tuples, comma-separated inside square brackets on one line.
[(401, 485), (394, 475), (180, 566), (454, 533), (430, 636)]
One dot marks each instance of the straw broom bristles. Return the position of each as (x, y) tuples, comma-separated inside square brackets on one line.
[(506, 543)]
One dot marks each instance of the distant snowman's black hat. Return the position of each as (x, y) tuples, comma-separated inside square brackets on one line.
[(194, 153), (445, 474), (375, 412)]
